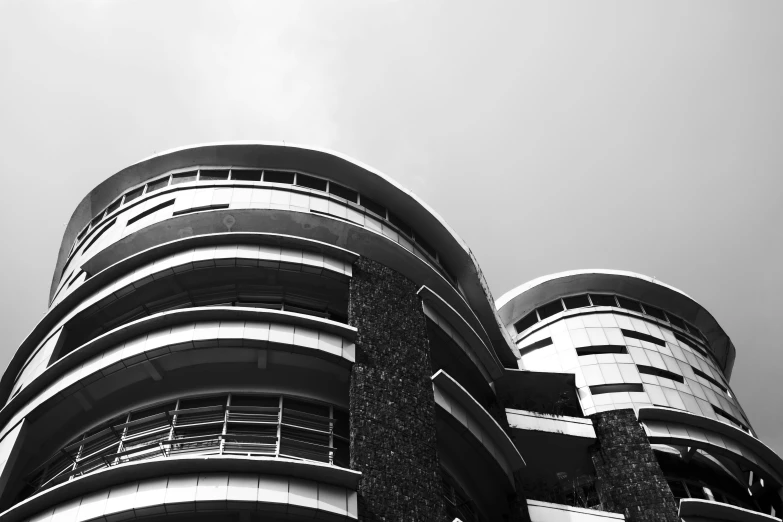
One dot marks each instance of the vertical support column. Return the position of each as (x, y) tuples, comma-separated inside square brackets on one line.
[(392, 405), (631, 481)]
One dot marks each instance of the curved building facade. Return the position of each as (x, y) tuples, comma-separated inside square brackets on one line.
[(255, 331)]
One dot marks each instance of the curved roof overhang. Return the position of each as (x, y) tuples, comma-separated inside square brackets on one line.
[(521, 300), (331, 165)]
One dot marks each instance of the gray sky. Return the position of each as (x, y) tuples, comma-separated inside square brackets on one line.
[(642, 136)]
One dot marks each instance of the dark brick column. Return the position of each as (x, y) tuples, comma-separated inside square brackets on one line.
[(631, 481), (392, 406)]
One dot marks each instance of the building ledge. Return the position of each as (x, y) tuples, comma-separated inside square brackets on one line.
[(482, 350), (560, 425), (548, 512), (698, 510), (135, 471)]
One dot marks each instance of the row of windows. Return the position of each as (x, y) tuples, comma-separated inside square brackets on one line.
[(585, 300), (226, 424), (262, 176)]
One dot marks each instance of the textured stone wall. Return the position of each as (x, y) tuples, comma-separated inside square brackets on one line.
[(631, 481), (392, 406)]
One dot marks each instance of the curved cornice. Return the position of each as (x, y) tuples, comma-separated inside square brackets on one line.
[(521, 300), (329, 164)]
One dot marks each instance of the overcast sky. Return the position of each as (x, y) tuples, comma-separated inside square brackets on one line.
[(641, 136)]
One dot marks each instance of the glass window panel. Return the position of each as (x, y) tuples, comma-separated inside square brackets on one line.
[(276, 176), (213, 174), (184, 177), (303, 180), (576, 301), (629, 304), (602, 300), (550, 309)]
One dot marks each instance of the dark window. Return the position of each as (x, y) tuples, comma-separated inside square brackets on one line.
[(576, 301), (82, 233), (695, 331), (343, 192), (276, 176), (651, 370), (133, 194), (99, 234), (255, 400), (217, 206), (246, 175), (114, 206), (214, 175), (304, 180), (158, 184), (629, 304), (402, 225), (201, 402), (676, 321), (96, 220), (615, 388), (536, 345), (687, 342), (601, 348), (603, 300), (184, 177), (526, 322), (655, 312), (710, 379), (373, 207), (729, 416), (550, 309), (426, 247), (643, 337), (150, 211)]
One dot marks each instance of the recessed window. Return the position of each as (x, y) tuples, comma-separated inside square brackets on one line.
[(277, 176), (526, 322), (687, 342), (550, 309), (246, 175), (651, 370), (402, 225), (343, 192), (629, 304), (536, 345), (304, 180), (426, 247), (114, 206), (217, 206), (601, 349), (82, 233), (576, 301), (603, 300), (158, 184), (133, 194), (655, 312), (615, 388), (643, 337), (728, 416), (98, 234), (695, 331), (710, 379), (213, 174), (676, 321), (184, 177), (373, 207), (96, 220), (150, 211)]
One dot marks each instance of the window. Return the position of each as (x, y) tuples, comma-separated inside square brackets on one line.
[(343, 192), (676, 321), (526, 322), (150, 211), (304, 180), (643, 337), (426, 247), (550, 309), (709, 379), (603, 300), (227, 424), (276, 176), (114, 206), (615, 388), (184, 177), (599, 349), (629, 304), (373, 207), (246, 175), (576, 301), (158, 184), (213, 175), (655, 312), (728, 416), (651, 370), (133, 194)]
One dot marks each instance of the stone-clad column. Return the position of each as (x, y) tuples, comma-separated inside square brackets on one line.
[(392, 406), (630, 478)]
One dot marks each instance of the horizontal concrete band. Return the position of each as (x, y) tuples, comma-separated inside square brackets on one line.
[(560, 425), (475, 420), (698, 510), (179, 256), (252, 336), (459, 329), (184, 485)]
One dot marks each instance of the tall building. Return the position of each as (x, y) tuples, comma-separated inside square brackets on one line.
[(253, 331)]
